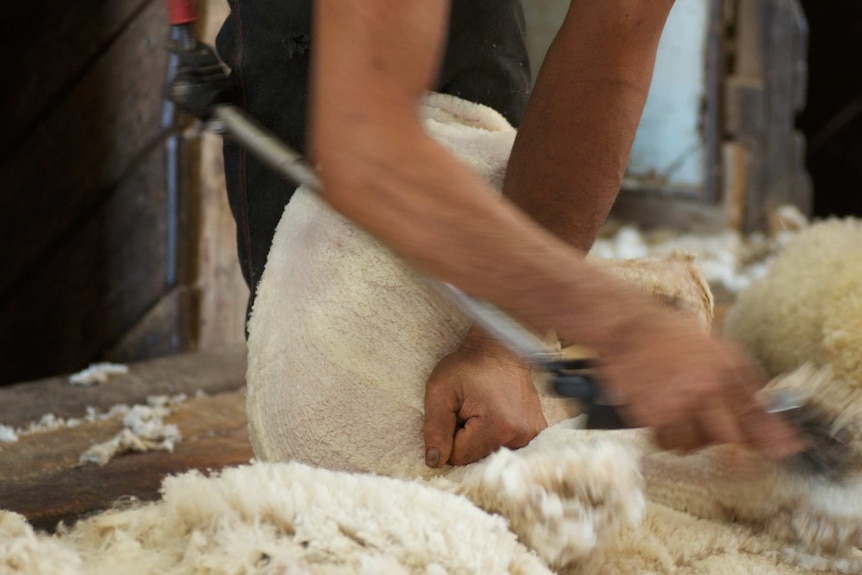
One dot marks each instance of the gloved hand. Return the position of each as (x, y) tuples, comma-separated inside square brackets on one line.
[(478, 399), (200, 82)]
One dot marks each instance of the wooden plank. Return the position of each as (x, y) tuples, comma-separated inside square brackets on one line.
[(55, 42), (763, 96), (734, 180), (658, 210), (40, 476), (71, 163), (94, 287), (224, 294), (167, 328), (210, 372)]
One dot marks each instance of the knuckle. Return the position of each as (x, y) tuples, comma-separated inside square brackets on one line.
[(505, 431), (522, 439)]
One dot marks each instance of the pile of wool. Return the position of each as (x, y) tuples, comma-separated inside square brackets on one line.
[(808, 307), (290, 518), (679, 543), (277, 519)]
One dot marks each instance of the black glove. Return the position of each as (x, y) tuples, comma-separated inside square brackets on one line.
[(200, 82)]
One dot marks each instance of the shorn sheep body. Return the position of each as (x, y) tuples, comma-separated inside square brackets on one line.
[(342, 338)]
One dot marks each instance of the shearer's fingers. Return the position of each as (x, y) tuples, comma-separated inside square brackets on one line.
[(477, 439), (766, 432), (719, 424), (684, 436), (441, 420)]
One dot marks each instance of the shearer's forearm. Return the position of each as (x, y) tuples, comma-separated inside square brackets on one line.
[(373, 62), (576, 135)]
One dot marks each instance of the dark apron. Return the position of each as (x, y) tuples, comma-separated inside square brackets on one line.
[(266, 43)]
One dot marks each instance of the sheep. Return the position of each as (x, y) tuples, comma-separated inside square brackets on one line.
[(808, 307), (343, 335)]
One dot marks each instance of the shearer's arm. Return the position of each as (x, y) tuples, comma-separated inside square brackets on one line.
[(576, 134), (574, 140), (372, 62)]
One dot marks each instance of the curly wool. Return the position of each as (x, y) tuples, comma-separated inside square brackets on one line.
[(808, 307), (277, 518)]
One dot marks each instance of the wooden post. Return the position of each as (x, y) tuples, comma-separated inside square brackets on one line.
[(223, 292)]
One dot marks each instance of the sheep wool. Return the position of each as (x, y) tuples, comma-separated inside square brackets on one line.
[(270, 519), (808, 307), (573, 496), (812, 512)]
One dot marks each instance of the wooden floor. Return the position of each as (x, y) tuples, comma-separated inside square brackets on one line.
[(40, 476)]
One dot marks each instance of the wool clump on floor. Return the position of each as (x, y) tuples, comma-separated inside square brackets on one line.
[(144, 430), (98, 373), (275, 519)]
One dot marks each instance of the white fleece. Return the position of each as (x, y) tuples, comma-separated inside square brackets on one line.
[(808, 307)]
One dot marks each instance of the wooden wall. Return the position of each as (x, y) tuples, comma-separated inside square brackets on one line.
[(87, 267)]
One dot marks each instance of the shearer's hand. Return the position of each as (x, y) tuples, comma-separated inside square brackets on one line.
[(478, 399), (692, 389)]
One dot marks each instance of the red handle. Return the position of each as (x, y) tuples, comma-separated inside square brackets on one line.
[(181, 12)]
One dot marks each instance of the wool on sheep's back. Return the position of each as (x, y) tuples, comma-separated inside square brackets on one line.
[(809, 304)]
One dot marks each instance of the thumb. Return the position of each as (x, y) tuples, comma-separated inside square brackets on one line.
[(477, 439), (441, 420)]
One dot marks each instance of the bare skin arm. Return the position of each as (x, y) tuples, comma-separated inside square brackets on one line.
[(565, 170), (577, 131), (373, 61)]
